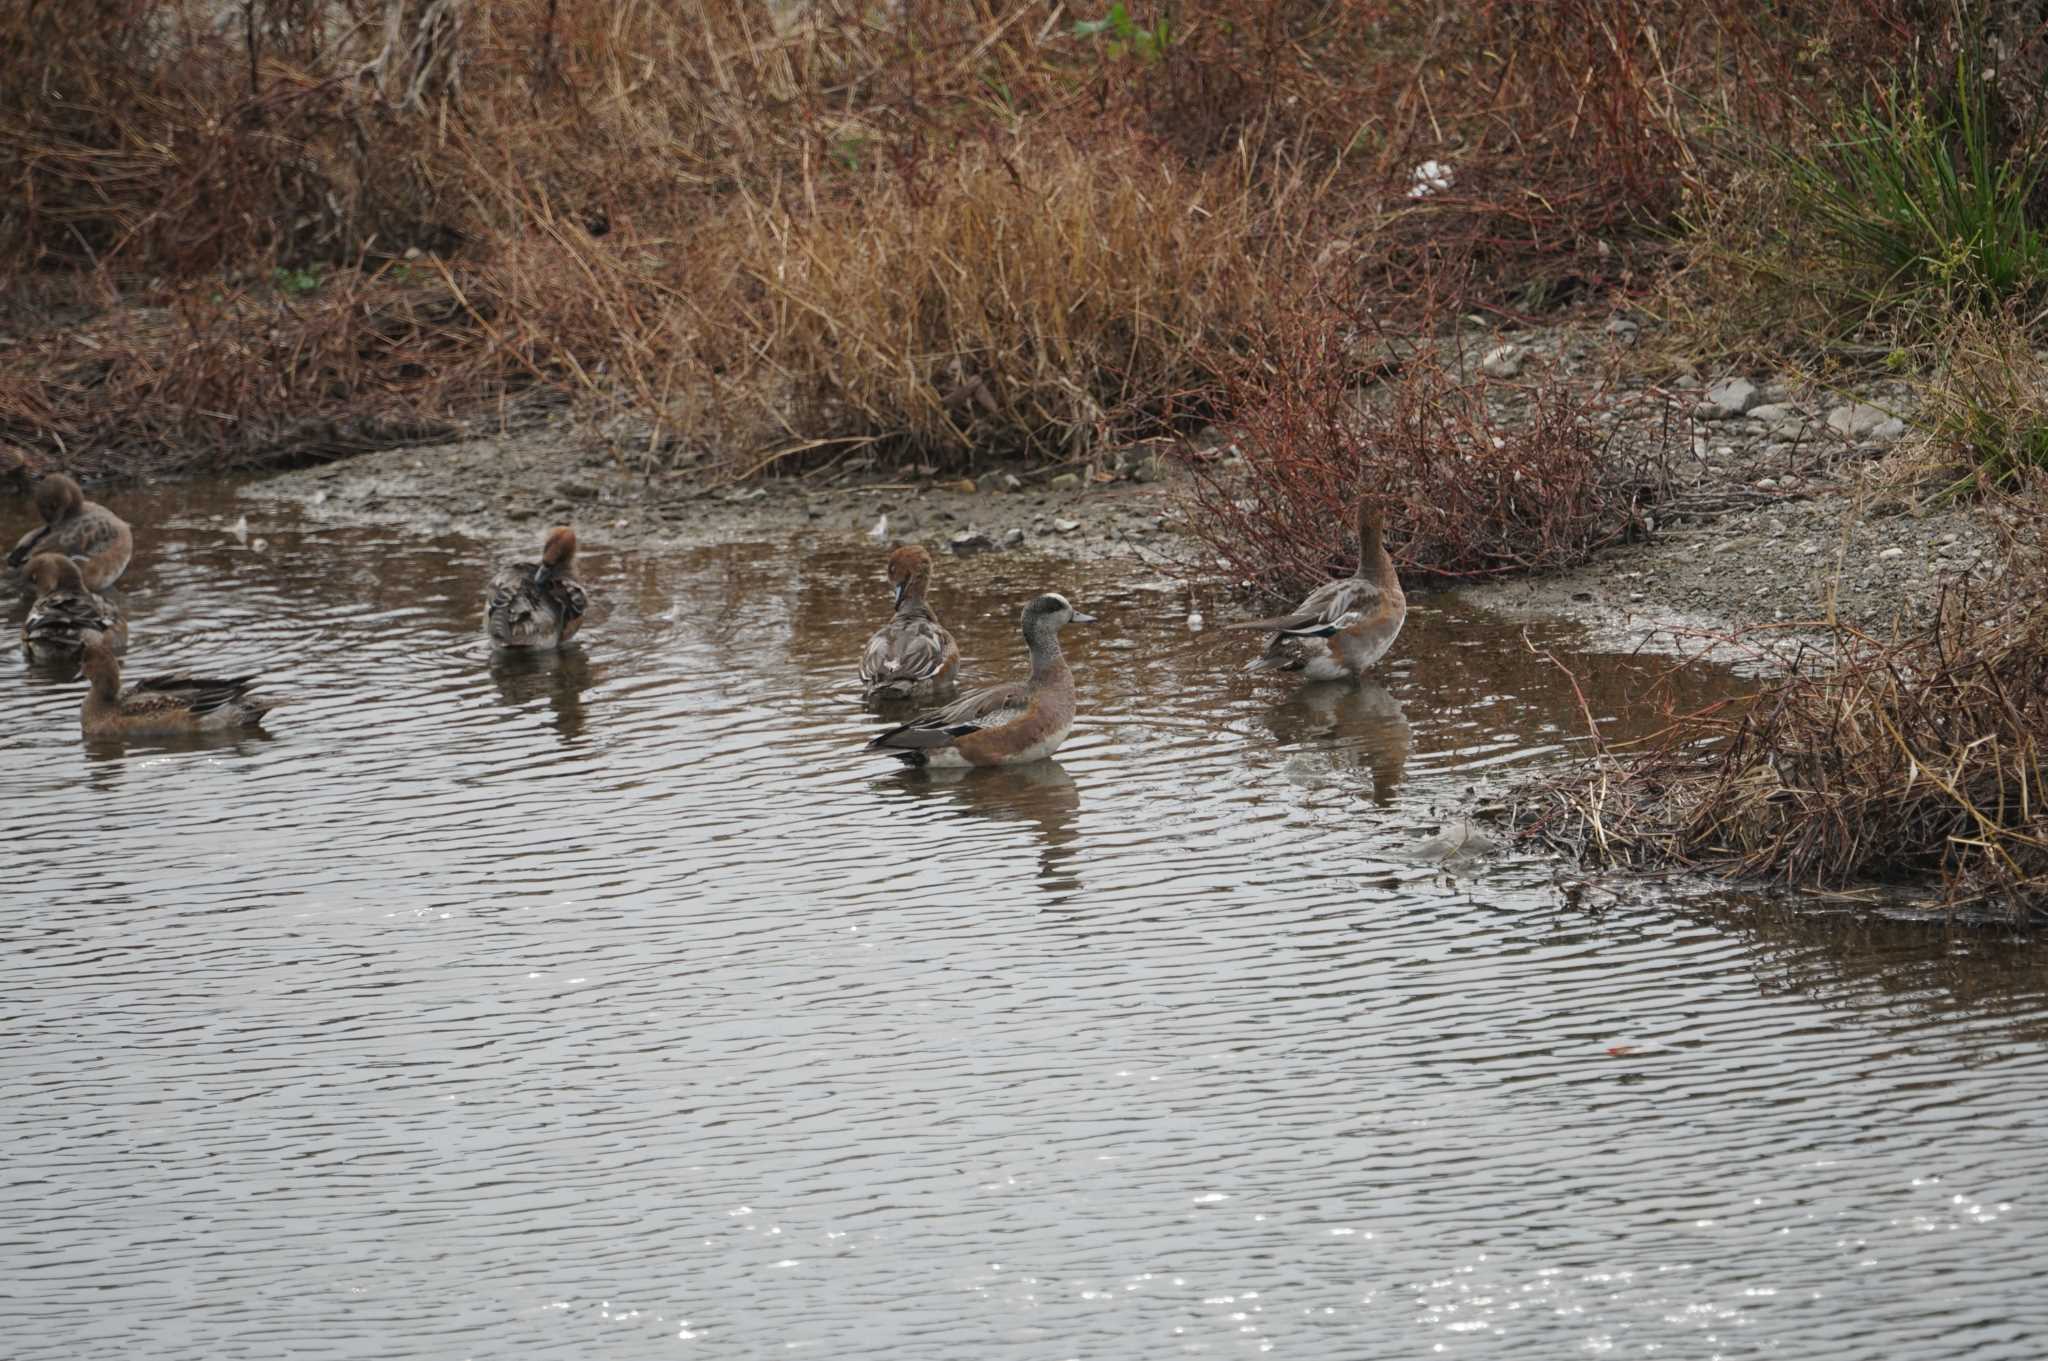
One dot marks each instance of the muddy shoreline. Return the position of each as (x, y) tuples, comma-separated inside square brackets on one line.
[(1766, 528)]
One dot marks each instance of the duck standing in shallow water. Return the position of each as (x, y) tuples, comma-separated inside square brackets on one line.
[(66, 616), (1343, 626), (163, 706), (537, 604), (77, 528), (912, 656), (1005, 724)]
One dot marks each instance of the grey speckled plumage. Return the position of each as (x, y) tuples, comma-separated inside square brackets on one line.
[(66, 615), (537, 604), (912, 656)]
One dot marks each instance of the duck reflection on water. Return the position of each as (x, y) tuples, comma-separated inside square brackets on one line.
[(524, 675), (1041, 795), (1346, 725)]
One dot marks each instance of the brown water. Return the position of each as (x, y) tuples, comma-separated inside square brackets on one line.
[(620, 1006)]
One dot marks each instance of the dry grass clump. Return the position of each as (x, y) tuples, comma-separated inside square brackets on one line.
[(1984, 413), (1893, 760), (1478, 479)]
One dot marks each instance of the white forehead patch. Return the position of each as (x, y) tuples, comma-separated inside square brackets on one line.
[(1058, 600)]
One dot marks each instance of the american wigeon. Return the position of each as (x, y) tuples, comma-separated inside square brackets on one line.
[(1005, 724), (77, 528), (912, 656), (1344, 626), (66, 615), (537, 604), (162, 706)]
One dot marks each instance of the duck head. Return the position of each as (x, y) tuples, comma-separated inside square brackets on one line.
[(910, 568), (557, 553), (49, 572)]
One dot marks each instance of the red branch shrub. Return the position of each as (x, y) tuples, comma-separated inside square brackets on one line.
[(1471, 489)]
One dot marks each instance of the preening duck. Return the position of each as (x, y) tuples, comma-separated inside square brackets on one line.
[(77, 528), (66, 615), (912, 656), (537, 604)]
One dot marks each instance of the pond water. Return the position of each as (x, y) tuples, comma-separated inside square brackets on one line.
[(620, 1006)]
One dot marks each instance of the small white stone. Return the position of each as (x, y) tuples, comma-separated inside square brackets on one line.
[(1503, 361)]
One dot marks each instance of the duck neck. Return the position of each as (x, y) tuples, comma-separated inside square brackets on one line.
[(106, 682), (1374, 563), (912, 605), (1047, 661)]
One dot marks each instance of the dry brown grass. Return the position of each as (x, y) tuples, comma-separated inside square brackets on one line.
[(1902, 760), (937, 229)]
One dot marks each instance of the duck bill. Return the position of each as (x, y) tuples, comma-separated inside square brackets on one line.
[(542, 575), (901, 587), (1080, 618)]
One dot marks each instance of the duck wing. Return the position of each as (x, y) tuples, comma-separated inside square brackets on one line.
[(65, 616), (978, 709), (906, 652), (175, 691), (1322, 612), (25, 548)]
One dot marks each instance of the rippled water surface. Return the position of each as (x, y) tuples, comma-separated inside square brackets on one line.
[(619, 1006)]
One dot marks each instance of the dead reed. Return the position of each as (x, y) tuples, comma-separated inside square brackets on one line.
[(1913, 760)]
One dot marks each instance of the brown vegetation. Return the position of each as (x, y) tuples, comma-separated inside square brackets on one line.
[(935, 229), (1905, 759), (1478, 478)]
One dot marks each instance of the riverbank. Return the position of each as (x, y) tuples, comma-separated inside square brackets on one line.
[(1772, 517)]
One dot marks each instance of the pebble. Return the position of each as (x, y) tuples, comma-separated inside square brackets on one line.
[(1065, 481), (1861, 420), (1891, 554), (583, 491), (1012, 538), (969, 542), (1623, 330), (1066, 526), (1728, 398)]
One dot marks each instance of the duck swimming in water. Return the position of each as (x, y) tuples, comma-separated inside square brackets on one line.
[(1344, 626), (912, 656), (163, 706), (537, 604), (1005, 724), (66, 615), (77, 528)]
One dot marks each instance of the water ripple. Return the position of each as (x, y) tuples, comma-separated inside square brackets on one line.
[(616, 1005)]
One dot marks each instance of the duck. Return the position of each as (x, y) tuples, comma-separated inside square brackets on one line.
[(163, 706), (537, 604), (1002, 725), (77, 528), (913, 656), (1343, 626), (66, 615)]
